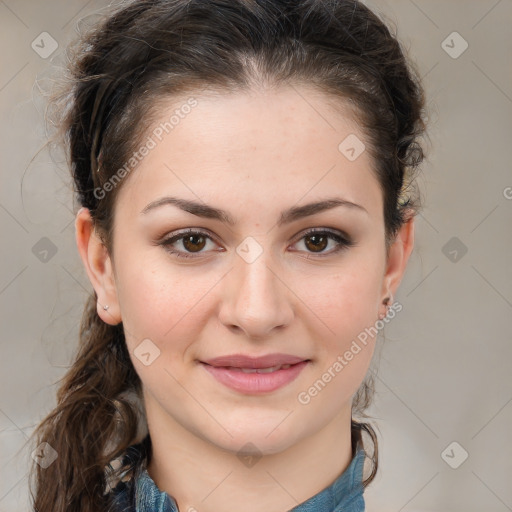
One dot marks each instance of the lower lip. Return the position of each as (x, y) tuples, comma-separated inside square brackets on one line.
[(255, 383)]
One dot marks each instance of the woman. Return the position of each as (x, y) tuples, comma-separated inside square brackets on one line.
[(244, 172)]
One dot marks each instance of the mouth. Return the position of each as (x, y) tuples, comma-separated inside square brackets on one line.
[(255, 375)]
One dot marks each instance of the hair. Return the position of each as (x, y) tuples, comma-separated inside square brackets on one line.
[(118, 75)]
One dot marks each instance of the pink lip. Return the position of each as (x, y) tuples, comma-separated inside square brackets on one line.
[(227, 370)]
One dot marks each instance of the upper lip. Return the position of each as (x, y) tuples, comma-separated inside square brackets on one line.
[(243, 361)]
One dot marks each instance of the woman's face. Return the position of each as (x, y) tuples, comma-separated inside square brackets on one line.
[(260, 284)]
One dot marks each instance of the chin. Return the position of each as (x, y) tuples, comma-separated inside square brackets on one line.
[(260, 437)]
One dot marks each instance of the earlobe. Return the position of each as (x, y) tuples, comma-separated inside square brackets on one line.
[(398, 257), (98, 266)]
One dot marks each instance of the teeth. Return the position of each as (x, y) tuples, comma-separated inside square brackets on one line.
[(269, 370), (263, 370)]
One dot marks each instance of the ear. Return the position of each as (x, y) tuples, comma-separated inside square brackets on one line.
[(397, 259), (99, 267)]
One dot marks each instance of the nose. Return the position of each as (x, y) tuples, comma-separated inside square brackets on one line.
[(255, 300)]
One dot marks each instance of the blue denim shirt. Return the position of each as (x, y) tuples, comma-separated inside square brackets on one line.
[(345, 494)]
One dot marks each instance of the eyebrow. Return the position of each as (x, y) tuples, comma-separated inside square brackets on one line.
[(287, 216)]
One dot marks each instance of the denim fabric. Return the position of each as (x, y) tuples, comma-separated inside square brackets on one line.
[(345, 494)]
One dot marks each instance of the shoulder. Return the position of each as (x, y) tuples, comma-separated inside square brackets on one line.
[(121, 498), (122, 475)]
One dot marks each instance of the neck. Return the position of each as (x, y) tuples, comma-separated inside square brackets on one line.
[(202, 476)]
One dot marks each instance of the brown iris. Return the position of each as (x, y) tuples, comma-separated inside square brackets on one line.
[(319, 242), (189, 242)]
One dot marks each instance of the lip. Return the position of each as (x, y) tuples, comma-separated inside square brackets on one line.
[(244, 361), (228, 371)]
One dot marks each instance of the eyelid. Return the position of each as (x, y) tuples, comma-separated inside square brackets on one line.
[(342, 239), (332, 231), (169, 239)]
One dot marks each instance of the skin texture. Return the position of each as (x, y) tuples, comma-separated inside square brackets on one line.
[(253, 154)]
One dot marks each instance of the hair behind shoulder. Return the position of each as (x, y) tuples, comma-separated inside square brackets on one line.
[(92, 424)]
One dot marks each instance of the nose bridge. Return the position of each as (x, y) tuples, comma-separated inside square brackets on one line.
[(257, 300)]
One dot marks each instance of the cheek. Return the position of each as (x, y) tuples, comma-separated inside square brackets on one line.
[(160, 303), (345, 301), (345, 304)]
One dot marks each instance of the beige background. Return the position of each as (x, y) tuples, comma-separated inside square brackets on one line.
[(445, 368)]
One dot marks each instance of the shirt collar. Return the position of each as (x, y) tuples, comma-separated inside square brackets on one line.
[(344, 494)]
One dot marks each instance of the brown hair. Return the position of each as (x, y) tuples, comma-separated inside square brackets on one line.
[(146, 52)]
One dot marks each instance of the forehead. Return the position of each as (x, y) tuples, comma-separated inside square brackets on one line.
[(266, 145)]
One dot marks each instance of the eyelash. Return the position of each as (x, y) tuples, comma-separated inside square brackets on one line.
[(342, 241)]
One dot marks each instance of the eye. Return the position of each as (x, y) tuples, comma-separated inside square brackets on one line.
[(192, 240), (315, 240)]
